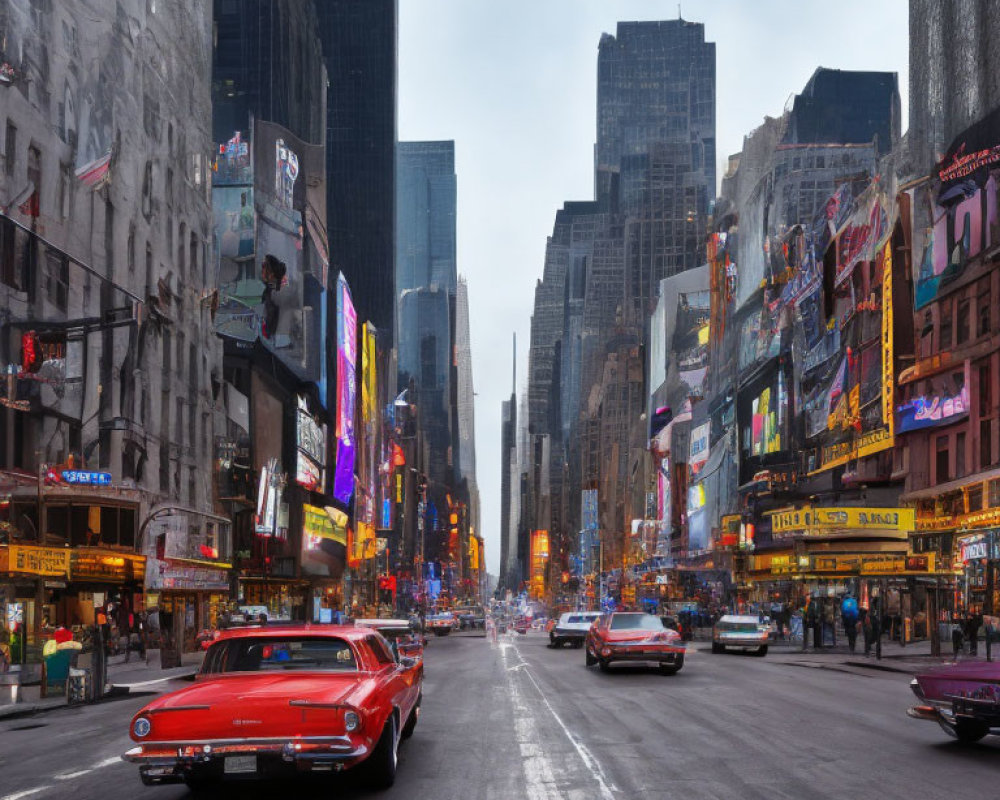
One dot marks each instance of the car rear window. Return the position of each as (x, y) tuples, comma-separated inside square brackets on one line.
[(581, 618), (281, 654), (646, 622)]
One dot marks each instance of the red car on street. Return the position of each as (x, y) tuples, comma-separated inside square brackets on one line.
[(964, 699), (277, 700), (633, 637)]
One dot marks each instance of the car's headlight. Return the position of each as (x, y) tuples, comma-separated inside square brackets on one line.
[(141, 727), (352, 721)]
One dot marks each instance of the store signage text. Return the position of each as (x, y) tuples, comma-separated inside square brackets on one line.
[(48, 561), (804, 519), (83, 478)]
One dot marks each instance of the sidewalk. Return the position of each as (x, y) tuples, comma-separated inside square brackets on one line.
[(122, 679), (895, 657)]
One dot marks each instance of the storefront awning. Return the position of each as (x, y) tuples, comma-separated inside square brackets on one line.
[(950, 486)]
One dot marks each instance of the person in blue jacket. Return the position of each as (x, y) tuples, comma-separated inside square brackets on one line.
[(849, 616)]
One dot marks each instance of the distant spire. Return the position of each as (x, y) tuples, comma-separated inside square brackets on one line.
[(513, 385)]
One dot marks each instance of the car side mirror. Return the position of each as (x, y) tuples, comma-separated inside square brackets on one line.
[(407, 662)]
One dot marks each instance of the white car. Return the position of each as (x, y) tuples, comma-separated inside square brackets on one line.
[(746, 633), (572, 627)]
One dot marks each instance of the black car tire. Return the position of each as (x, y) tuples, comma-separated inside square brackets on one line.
[(411, 721), (762, 651), (383, 760), (969, 731), (591, 659), (578, 643), (603, 664), (674, 668), (717, 648)]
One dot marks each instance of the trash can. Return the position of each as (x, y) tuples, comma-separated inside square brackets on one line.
[(57, 668)]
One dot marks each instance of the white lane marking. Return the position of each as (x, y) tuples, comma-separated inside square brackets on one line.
[(593, 766), (68, 776), (25, 793), (539, 775)]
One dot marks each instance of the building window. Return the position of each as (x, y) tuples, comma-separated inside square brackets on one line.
[(985, 443), (35, 174), (946, 325), (975, 496), (130, 249), (983, 308), (57, 279), (64, 184), (193, 258), (149, 270), (147, 190), (962, 322), (994, 488), (181, 242), (941, 465), (10, 149), (960, 455)]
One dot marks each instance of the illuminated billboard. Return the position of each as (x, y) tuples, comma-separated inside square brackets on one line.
[(347, 324)]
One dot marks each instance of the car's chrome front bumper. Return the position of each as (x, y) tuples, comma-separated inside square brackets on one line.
[(664, 654)]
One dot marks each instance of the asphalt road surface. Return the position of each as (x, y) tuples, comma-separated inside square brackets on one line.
[(516, 720)]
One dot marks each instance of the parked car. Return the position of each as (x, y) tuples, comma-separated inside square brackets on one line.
[(521, 625), (633, 637), (399, 633), (964, 699), (440, 624), (738, 632), (277, 701), (471, 617), (571, 628)]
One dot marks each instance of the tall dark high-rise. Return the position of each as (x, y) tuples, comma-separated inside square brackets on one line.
[(655, 83), (655, 153), (359, 45)]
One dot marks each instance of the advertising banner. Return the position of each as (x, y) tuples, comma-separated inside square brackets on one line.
[(347, 322)]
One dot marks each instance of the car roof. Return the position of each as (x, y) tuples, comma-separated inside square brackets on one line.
[(295, 629), (580, 614), (740, 618)]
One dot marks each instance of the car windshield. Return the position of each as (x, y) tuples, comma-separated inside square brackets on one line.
[(285, 654), (644, 622), (738, 627)]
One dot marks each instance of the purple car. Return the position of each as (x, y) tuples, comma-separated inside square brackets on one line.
[(964, 699)]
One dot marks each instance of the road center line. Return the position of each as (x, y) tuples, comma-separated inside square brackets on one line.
[(25, 793), (607, 789), (68, 776)]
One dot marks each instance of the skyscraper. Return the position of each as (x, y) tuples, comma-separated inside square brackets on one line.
[(466, 402), (655, 83), (426, 189), (359, 45)]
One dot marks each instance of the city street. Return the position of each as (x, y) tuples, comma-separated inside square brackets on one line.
[(518, 720)]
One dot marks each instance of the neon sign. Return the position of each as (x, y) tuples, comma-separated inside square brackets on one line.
[(926, 412), (82, 478)]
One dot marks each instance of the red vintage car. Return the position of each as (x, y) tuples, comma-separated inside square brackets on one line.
[(276, 700), (634, 637), (964, 699)]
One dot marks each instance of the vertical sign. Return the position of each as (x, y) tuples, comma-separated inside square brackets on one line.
[(347, 321), (888, 376)]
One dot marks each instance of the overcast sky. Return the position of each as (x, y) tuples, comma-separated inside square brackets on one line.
[(513, 82)]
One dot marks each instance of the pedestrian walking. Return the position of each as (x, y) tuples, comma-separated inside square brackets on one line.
[(849, 616), (829, 621), (972, 625)]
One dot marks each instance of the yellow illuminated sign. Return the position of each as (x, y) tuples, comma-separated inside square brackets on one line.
[(804, 519), (51, 562)]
